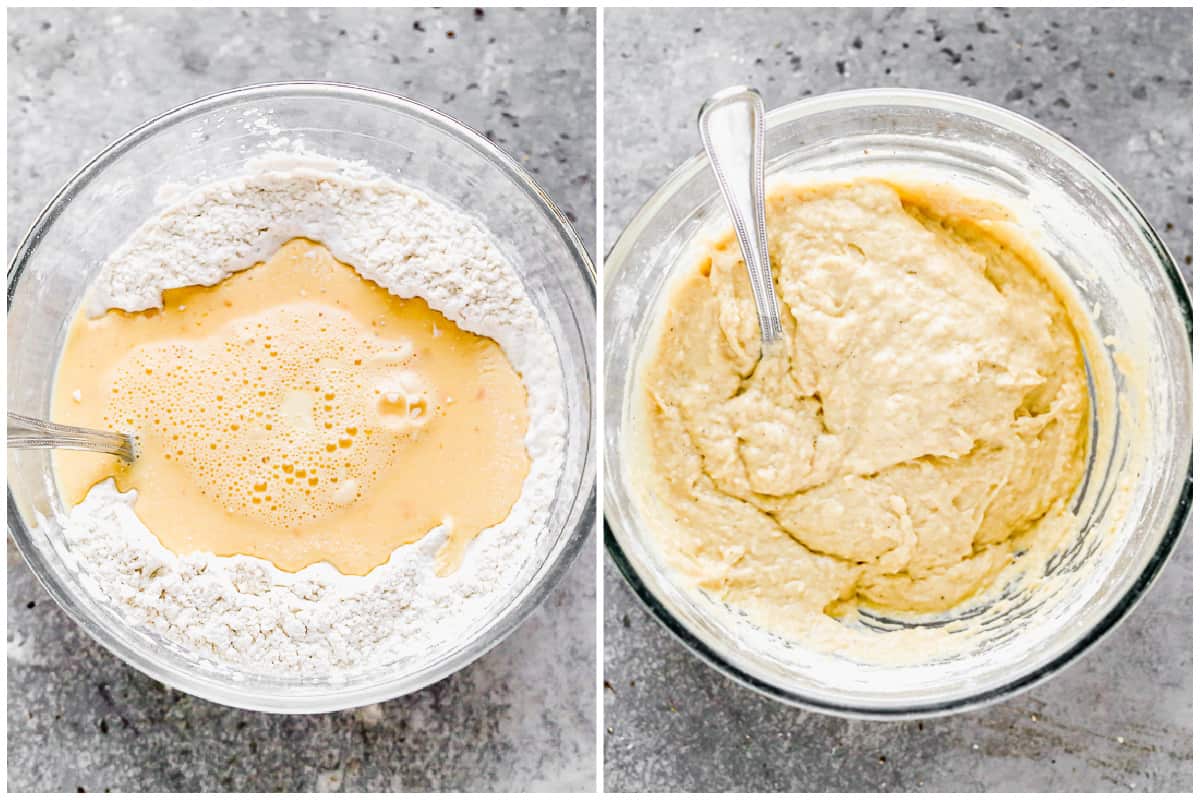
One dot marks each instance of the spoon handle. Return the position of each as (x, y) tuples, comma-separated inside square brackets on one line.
[(29, 433), (733, 129)]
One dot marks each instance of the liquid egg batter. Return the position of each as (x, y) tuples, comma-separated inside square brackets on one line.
[(298, 413)]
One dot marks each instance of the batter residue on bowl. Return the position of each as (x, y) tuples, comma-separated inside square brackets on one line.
[(926, 424)]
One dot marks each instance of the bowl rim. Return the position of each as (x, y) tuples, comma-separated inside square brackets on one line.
[(545, 577), (615, 260)]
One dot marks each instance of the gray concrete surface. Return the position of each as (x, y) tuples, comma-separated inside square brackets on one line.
[(522, 717), (1118, 83)]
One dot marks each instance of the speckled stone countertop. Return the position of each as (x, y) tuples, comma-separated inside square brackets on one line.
[(1117, 83), (520, 718)]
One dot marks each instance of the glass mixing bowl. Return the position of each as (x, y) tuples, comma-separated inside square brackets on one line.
[(210, 139), (1135, 497)]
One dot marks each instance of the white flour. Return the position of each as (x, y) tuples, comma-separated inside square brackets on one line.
[(243, 610)]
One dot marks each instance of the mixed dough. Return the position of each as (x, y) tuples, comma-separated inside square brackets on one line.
[(925, 423)]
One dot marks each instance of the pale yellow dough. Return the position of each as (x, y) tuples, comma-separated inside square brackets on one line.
[(926, 423)]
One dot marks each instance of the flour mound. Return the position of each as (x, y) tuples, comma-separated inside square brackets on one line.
[(242, 610)]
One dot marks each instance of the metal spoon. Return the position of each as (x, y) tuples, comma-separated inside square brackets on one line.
[(733, 130), (28, 433)]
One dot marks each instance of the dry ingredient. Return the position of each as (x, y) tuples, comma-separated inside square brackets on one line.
[(243, 610)]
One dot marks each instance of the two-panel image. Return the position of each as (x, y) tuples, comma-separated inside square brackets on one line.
[(599, 400)]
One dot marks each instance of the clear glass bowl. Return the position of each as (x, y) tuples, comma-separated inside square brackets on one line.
[(1136, 495), (210, 139)]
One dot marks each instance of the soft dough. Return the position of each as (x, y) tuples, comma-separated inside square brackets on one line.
[(926, 423)]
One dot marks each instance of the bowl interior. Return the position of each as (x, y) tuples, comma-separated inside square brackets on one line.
[(1134, 497), (212, 139)]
